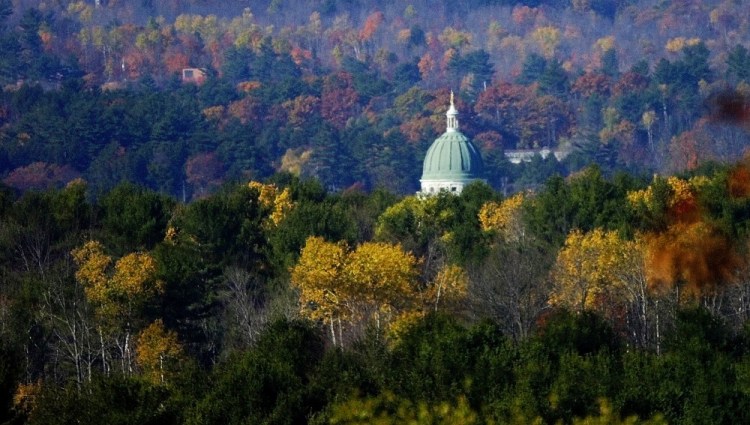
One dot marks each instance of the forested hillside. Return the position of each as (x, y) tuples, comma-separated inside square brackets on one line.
[(352, 92), (589, 299)]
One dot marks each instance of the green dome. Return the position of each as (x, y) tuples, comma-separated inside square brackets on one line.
[(452, 161), (452, 156)]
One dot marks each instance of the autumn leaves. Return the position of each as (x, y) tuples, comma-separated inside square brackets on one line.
[(680, 253), (593, 267), (375, 283), (118, 293), (674, 248), (336, 284), (674, 239)]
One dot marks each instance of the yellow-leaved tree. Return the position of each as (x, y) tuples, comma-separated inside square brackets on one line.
[(376, 282), (447, 290), (25, 397), (389, 408), (118, 293), (158, 352), (380, 279), (282, 205), (277, 202), (93, 265), (450, 286), (319, 278), (134, 281), (548, 38), (593, 271), (504, 218)]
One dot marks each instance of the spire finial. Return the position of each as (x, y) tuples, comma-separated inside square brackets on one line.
[(452, 124)]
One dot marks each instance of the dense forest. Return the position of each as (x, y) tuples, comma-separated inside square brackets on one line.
[(591, 299), (240, 243), (352, 92)]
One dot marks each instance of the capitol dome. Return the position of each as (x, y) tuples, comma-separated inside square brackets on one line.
[(452, 162)]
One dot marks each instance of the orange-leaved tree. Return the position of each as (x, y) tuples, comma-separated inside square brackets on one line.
[(691, 259), (694, 258), (685, 251)]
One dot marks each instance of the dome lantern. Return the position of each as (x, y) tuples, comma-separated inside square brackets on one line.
[(452, 117)]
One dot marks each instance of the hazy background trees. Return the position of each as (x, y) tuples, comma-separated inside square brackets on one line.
[(352, 94)]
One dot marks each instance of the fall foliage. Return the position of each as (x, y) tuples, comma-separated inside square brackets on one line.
[(373, 282), (118, 289), (694, 257), (637, 295), (504, 217), (278, 202), (589, 270), (159, 352), (687, 252)]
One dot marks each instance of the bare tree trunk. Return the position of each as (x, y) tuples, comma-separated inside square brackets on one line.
[(245, 304), (68, 319), (341, 332), (128, 354), (333, 332), (437, 296)]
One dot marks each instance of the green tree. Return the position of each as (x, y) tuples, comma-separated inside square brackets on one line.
[(437, 226), (476, 64), (693, 380), (390, 409), (315, 214), (437, 359), (226, 226), (586, 202), (405, 76), (6, 10), (237, 63), (112, 399), (554, 79), (134, 218), (533, 68), (268, 384), (188, 304)]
